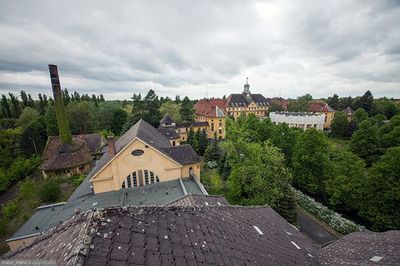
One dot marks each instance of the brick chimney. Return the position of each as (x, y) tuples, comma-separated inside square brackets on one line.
[(111, 146), (63, 124)]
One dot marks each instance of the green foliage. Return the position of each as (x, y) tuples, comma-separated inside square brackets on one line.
[(202, 141), (365, 142), (77, 179), (172, 109), (81, 117), (334, 102), (311, 162), (366, 102), (151, 108), (360, 115), (287, 205), (27, 188), (9, 146), (390, 133), (187, 111), (51, 121), (10, 210), (34, 137), (28, 116), (213, 152), (301, 104), (340, 125), (118, 121), (50, 191), (382, 192)]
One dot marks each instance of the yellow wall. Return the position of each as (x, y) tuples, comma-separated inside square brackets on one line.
[(328, 119), (259, 111), (111, 177)]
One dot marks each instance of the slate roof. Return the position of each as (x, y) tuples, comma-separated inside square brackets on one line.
[(207, 235), (320, 107), (210, 107), (184, 154), (348, 111), (57, 156), (169, 133), (199, 200), (153, 137), (200, 124), (166, 120), (241, 100), (360, 247)]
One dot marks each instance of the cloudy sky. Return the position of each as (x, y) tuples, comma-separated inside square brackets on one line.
[(193, 47)]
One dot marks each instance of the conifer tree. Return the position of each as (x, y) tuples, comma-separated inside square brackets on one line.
[(5, 107), (286, 206), (187, 111)]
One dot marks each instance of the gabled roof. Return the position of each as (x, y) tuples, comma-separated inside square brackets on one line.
[(320, 107), (184, 154), (242, 100), (223, 235), (210, 107), (169, 133), (151, 136), (166, 120), (348, 111)]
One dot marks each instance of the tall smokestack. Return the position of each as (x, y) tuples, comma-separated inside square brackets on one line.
[(63, 125)]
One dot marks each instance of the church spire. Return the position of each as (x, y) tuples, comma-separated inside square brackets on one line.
[(246, 87)]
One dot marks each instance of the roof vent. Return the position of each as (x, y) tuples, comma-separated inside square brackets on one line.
[(94, 204), (376, 258), (258, 230)]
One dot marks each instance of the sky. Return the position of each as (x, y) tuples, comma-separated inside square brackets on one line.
[(202, 48)]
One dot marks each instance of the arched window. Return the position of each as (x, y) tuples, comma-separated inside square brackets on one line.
[(140, 178)]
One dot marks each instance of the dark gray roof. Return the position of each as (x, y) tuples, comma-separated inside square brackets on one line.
[(208, 235), (183, 154), (158, 194), (200, 200), (361, 248), (168, 132), (200, 124), (148, 134), (166, 120), (238, 100)]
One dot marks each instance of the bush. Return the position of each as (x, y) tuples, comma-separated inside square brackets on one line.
[(10, 210), (335, 220), (50, 191), (27, 188), (77, 179)]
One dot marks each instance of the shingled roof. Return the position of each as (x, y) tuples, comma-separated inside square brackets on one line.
[(58, 156), (210, 107), (223, 235), (320, 107), (166, 120), (153, 137), (238, 100)]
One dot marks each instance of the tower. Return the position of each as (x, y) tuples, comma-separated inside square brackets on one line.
[(246, 87)]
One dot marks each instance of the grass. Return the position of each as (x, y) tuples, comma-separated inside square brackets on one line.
[(28, 199)]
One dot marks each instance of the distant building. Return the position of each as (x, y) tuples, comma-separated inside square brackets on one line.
[(299, 119), (247, 103), (349, 112), (323, 108), (280, 102), (213, 112), (178, 132)]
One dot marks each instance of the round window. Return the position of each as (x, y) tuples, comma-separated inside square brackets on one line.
[(137, 152)]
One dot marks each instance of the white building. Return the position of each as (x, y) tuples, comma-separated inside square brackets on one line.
[(299, 119)]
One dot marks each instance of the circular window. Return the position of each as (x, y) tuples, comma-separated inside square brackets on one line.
[(137, 152)]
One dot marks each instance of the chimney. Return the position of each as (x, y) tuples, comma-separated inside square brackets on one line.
[(63, 124), (111, 146)]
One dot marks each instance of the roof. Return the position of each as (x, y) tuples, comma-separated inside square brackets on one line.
[(184, 154), (200, 200), (223, 235), (237, 100), (320, 107), (361, 248), (151, 136), (158, 194), (348, 111), (166, 120), (210, 107), (296, 113), (59, 156), (200, 124), (168, 132)]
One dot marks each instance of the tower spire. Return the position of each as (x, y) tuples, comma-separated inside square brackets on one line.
[(246, 87)]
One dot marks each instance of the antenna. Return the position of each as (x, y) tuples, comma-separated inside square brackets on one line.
[(207, 91)]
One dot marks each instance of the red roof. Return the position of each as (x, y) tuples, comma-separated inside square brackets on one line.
[(320, 107), (207, 107)]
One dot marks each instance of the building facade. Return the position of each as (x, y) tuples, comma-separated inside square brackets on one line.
[(323, 108), (140, 157), (213, 112), (246, 103), (299, 120)]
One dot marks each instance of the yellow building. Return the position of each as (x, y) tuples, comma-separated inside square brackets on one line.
[(212, 112), (143, 156), (323, 108), (247, 103)]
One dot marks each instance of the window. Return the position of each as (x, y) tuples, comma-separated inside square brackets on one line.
[(134, 179), (151, 177), (212, 125), (146, 177), (173, 143), (157, 179), (129, 181)]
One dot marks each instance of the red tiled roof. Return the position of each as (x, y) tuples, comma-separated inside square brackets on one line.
[(207, 107), (320, 107)]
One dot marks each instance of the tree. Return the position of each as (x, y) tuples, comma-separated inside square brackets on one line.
[(287, 205), (202, 141), (81, 116), (366, 102), (187, 111), (345, 186), (390, 133), (15, 106), (191, 137), (34, 137), (118, 121), (213, 152), (51, 121), (360, 115), (28, 116), (66, 96), (172, 109), (42, 103), (340, 125), (311, 162), (365, 142), (285, 138), (381, 197), (151, 108), (5, 107), (334, 102), (300, 104)]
